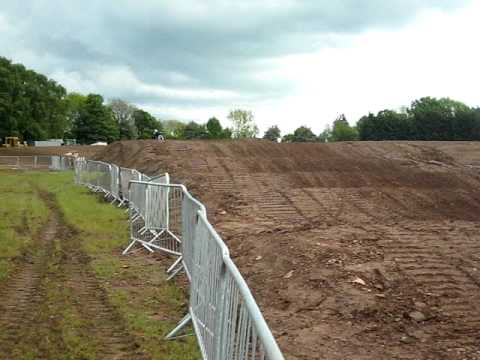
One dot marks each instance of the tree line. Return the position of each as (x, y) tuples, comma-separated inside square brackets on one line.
[(427, 118), (34, 107), (339, 131)]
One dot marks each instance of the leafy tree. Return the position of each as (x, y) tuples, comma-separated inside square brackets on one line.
[(435, 119), (243, 124), (73, 103), (214, 128), (227, 133), (194, 130), (272, 133), (467, 124), (146, 124), (386, 125), (288, 138), (174, 129), (31, 105), (342, 131), (301, 134), (325, 135), (123, 113), (96, 122), (341, 119)]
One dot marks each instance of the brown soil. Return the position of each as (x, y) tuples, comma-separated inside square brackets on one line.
[(354, 250), (51, 279)]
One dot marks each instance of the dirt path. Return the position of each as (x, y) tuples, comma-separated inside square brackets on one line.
[(53, 306)]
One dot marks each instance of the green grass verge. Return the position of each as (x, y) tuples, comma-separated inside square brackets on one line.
[(136, 285), (22, 213)]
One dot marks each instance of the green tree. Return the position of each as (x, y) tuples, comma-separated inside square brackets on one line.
[(386, 125), (435, 119), (227, 133), (95, 122), (214, 128), (31, 105), (243, 124), (325, 135), (146, 124), (342, 131), (301, 134), (123, 113), (194, 130), (467, 124), (73, 103), (174, 129), (272, 133)]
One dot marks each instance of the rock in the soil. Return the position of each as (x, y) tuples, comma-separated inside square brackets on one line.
[(406, 339), (359, 281), (419, 305), (417, 316), (289, 274)]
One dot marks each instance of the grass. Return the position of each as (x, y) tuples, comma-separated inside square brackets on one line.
[(136, 285), (22, 213)]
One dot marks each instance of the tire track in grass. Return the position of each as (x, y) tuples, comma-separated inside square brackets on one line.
[(52, 284), (28, 329), (102, 324)]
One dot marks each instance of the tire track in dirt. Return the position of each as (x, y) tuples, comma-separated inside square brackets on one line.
[(24, 300), (54, 276), (434, 268), (103, 324)]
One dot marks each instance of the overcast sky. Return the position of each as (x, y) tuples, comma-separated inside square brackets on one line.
[(291, 62)]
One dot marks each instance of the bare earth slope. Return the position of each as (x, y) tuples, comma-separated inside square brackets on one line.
[(353, 250)]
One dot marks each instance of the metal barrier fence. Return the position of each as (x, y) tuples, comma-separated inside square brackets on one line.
[(166, 217), (54, 162), (225, 316), (127, 175)]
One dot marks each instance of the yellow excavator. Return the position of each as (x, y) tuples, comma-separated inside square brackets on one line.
[(12, 141)]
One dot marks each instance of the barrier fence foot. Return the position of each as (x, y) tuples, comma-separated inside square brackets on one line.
[(174, 273), (184, 322), (174, 265), (129, 247)]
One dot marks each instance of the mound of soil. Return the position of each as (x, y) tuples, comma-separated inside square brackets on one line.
[(365, 250)]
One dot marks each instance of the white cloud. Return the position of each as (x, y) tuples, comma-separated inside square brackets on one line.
[(435, 56), (292, 63)]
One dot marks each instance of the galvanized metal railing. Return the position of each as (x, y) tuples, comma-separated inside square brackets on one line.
[(54, 162), (227, 320), (127, 175), (166, 217)]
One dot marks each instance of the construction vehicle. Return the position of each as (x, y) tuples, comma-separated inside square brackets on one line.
[(12, 141)]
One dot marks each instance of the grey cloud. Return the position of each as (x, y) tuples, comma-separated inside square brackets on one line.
[(210, 44)]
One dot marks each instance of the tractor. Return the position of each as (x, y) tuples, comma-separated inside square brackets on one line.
[(12, 141)]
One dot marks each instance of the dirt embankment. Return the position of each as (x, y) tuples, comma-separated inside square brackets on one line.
[(366, 250)]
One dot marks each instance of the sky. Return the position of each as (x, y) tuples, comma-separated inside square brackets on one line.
[(291, 62)]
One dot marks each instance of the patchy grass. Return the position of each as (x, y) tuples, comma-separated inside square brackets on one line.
[(136, 285), (22, 213)]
